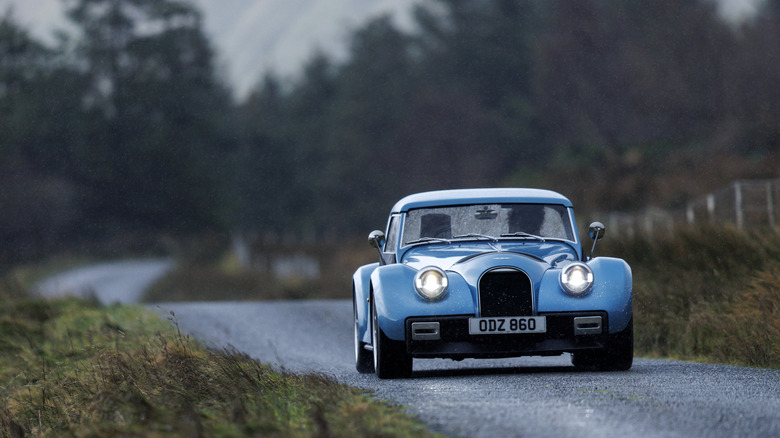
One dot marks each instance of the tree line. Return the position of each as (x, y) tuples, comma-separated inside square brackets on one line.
[(125, 127)]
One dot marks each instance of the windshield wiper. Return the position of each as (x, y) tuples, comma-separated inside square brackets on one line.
[(428, 239), (522, 234), (475, 235)]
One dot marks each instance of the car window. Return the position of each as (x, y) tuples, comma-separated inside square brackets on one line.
[(391, 242), (545, 220)]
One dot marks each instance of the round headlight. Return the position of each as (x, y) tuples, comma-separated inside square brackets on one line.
[(430, 283), (577, 279)]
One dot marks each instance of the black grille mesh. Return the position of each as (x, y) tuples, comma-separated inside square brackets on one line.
[(505, 293)]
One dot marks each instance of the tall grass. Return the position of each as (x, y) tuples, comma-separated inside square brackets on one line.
[(73, 368), (706, 294)]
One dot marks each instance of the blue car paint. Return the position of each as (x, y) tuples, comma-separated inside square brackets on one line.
[(361, 282), (480, 196), (396, 299), (611, 292), (445, 256)]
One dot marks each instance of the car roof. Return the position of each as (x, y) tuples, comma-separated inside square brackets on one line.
[(480, 196)]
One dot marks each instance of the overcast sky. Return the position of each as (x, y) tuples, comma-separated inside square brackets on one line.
[(253, 36), (256, 36)]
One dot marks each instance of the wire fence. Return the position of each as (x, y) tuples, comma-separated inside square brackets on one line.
[(746, 204)]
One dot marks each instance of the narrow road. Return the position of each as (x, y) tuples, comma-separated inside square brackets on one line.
[(110, 283), (524, 397)]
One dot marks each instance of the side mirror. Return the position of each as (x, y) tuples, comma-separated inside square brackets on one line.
[(376, 239), (596, 231)]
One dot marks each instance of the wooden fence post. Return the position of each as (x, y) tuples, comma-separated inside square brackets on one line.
[(689, 214), (770, 204), (738, 204), (711, 207)]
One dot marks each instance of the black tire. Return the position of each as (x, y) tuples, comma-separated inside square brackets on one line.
[(364, 360), (618, 356), (391, 360)]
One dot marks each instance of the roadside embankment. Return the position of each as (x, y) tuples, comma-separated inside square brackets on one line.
[(709, 294), (70, 367)]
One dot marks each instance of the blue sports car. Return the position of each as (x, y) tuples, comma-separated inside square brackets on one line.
[(488, 273)]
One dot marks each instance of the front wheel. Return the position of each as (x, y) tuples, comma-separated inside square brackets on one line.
[(390, 357), (618, 356)]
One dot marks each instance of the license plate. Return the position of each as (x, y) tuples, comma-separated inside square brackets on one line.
[(507, 325)]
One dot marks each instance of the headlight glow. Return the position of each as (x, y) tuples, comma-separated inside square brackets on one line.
[(577, 279), (430, 283)]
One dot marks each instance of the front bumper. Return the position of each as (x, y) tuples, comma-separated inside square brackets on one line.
[(453, 340)]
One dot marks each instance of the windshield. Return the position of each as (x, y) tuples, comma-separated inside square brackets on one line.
[(494, 220)]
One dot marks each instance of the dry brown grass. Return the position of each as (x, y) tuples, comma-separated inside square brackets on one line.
[(706, 294)]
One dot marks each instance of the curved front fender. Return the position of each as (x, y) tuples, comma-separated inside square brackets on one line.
[(361, 289), (612, 292), (396, 299)]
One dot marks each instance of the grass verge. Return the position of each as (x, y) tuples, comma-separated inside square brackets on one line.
[(73, 368), (706, 294)]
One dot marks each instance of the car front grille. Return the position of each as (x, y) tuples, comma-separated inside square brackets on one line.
[(505, 292)]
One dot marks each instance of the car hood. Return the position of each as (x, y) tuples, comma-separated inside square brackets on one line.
[(465, 256)]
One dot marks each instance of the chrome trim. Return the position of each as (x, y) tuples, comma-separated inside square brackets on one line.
[(442, 273), (425, 331), (572, 226), (566, 288), (587, 325)]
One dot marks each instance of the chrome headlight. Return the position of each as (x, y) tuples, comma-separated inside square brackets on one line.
[(430, 283), (577, 279)]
